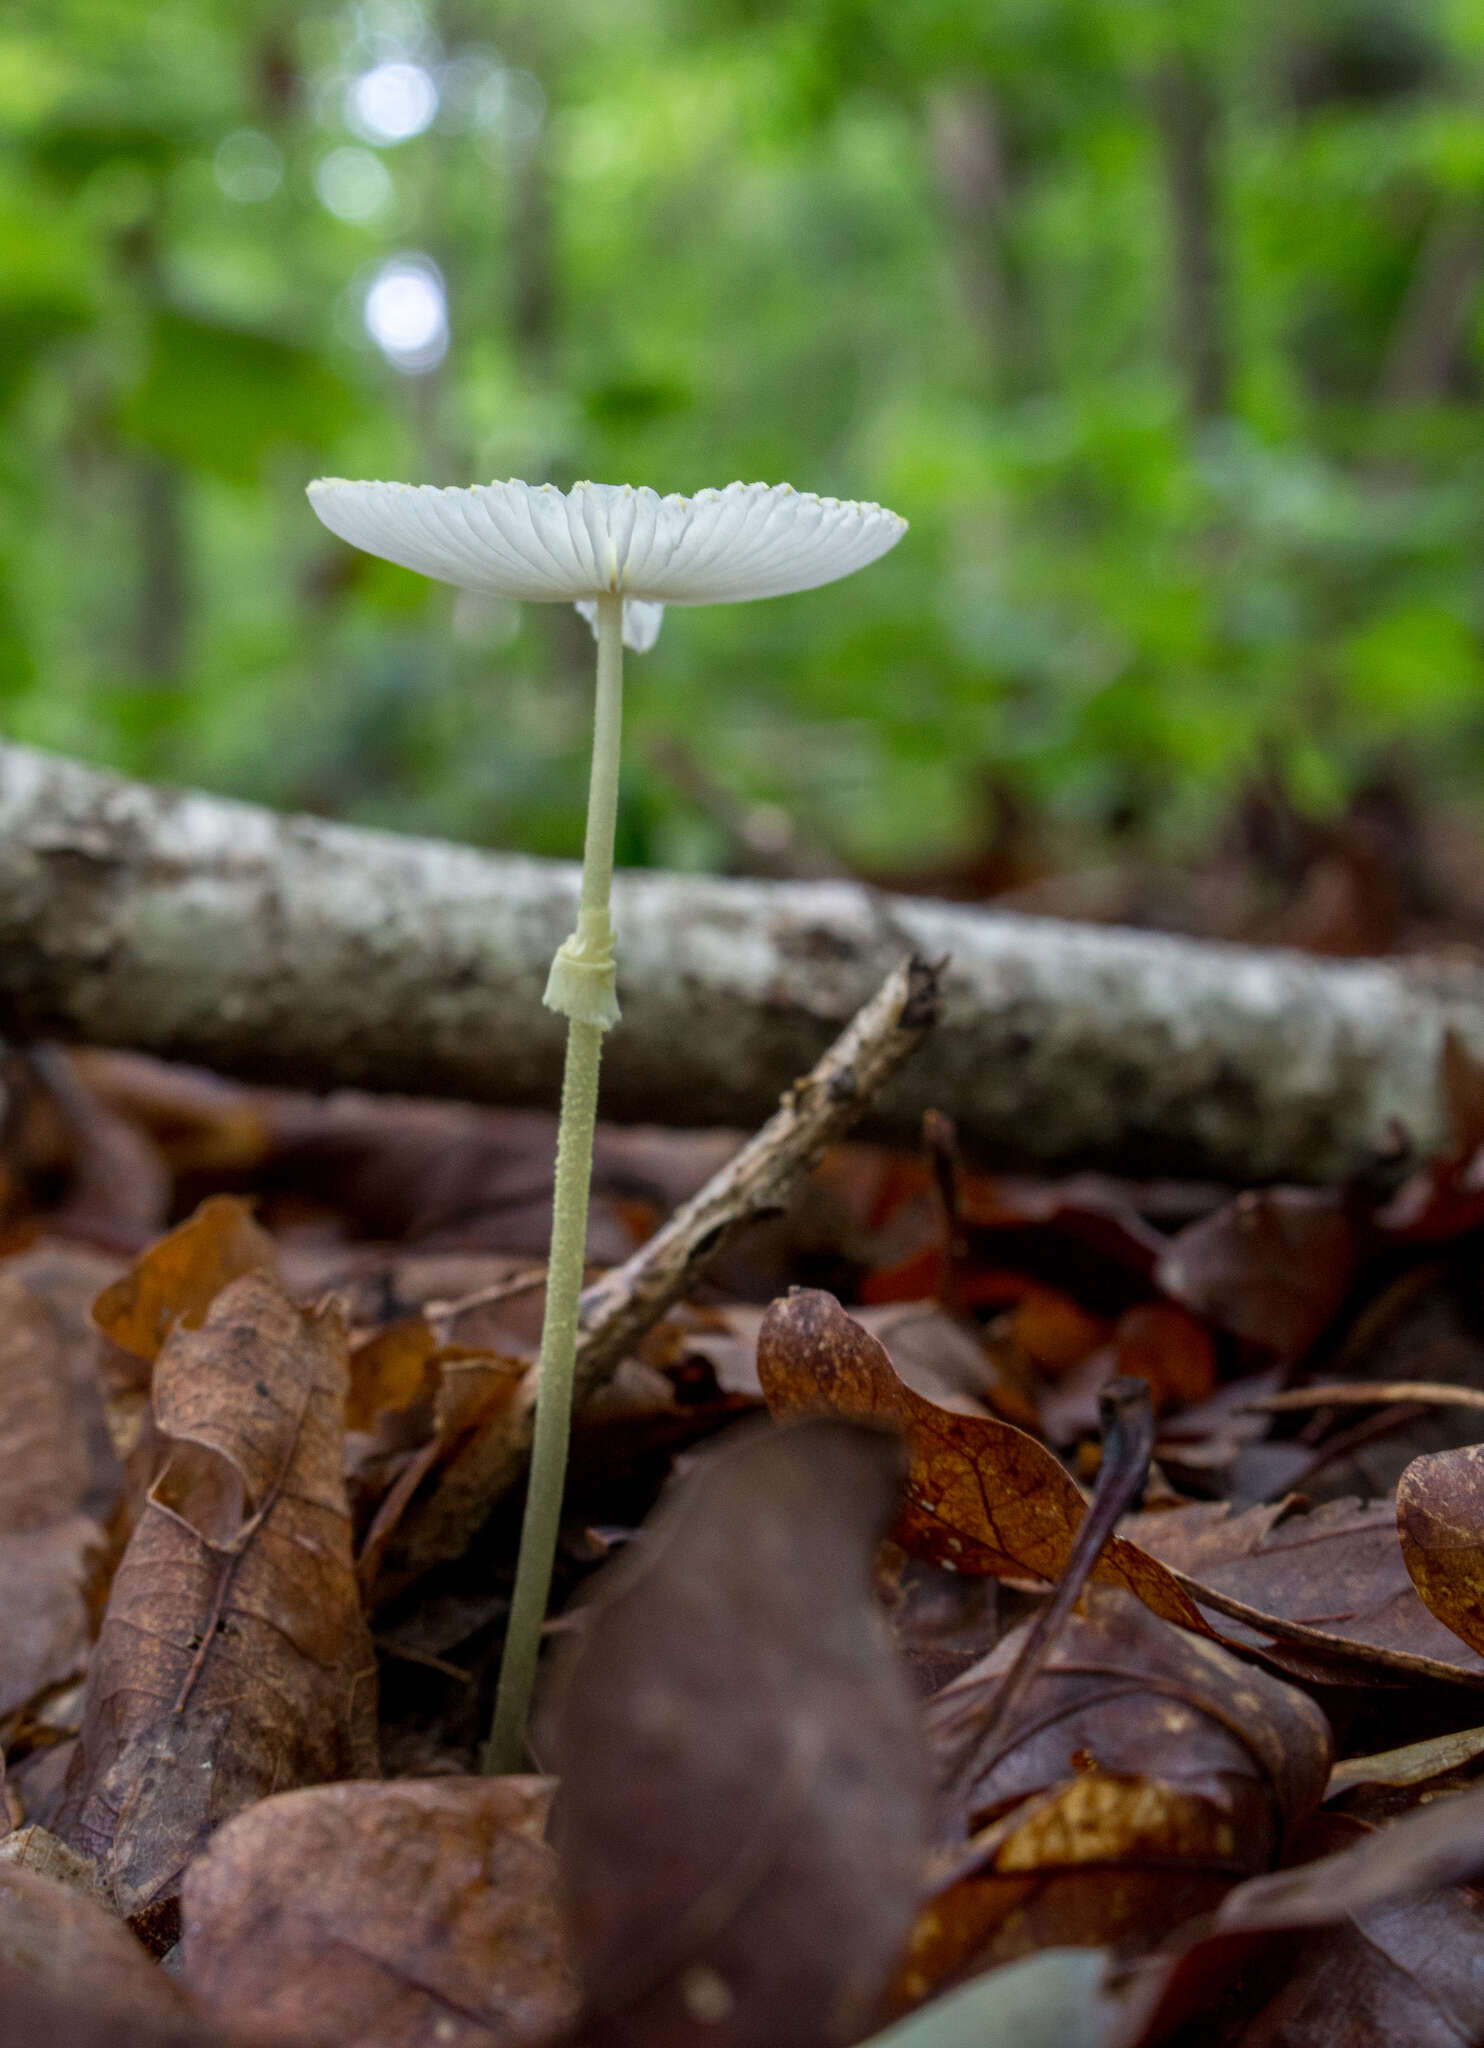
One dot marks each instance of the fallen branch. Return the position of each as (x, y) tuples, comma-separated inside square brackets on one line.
[(814, 1113), (320, 955), (631, 1298)]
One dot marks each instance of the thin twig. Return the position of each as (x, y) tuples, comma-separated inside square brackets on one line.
[(448, 1312), (1370, 1394), (404, 1654)]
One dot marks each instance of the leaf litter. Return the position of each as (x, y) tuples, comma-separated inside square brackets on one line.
[(816, 1767)]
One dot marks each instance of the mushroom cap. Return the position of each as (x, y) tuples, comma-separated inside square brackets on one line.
[(534, 542)]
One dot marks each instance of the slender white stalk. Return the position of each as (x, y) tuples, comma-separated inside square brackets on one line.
[(602, 796), (582, 987)]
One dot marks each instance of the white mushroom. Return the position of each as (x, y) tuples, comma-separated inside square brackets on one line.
[(620, 554), (536, 543)]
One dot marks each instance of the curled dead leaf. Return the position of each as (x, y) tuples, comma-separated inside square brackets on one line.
[(233, 1657), (1143, 1773), (1440, 1520), (982, 1496), (174, 1281)]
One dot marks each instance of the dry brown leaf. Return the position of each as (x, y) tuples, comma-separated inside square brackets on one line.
[(1145, 1771), (420, 1914), (180, 1276), (457, 1175), (61, 2017), (234, 1660), (59, 1940), (118, 1185), (50, 1552), (982, 1496), (1271, 1268), (943, 1358), (33, 1848), (391, 1370), (1400, 1976), (743, 1782), (941, 1622), (1399, 1961), (34, 1781), (443, 1493), (174, 1281), (1415, 1763), (69, 1278), (43, 1458), (198, 1122), (1085, 1226), (1052, 1330), (1440, 1520), (1165, 1345), (1339, 1570)]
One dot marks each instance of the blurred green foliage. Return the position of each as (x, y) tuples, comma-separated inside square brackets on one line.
[(1159, 319)]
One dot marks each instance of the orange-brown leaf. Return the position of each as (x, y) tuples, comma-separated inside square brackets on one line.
[(1165, 1345), (180, 1276), (982, 1496), (391, 1370), (1440, 1519)]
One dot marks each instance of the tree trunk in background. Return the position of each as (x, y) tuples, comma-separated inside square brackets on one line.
[(966, 151), (1187, 114), (533, 286), (163, 605), (1434, 315), (162, 592)]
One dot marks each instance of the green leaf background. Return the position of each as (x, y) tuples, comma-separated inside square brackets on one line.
[(927, 255)]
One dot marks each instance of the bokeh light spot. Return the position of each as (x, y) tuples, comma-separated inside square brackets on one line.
[(391, 102), (353, 184), (406, 313), (248, 166)]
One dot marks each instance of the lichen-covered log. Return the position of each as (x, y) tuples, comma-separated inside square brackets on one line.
[(291, 949)]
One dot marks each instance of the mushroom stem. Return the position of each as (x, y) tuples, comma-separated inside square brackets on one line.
[(538, 1535), (602, 795), (582, 988)]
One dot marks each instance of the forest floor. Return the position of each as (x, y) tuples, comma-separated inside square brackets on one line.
[(844, 1729)]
